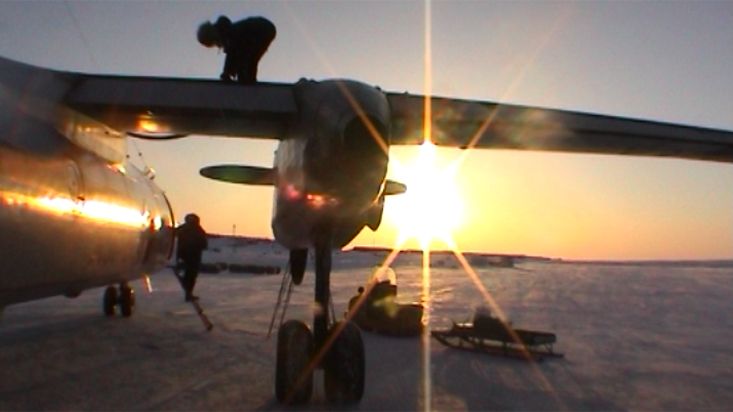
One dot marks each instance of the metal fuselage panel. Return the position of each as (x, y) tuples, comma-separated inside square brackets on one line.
[(332, 165), (70, 217)]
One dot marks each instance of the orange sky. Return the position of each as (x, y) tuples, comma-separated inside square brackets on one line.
[(588, 206), (555, 205)]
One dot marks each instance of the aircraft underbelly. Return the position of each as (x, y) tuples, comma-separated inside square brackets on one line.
[(52, 256), (296, 225)]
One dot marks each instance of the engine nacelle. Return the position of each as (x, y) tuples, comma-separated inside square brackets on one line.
[(347, 126), (335, 158)]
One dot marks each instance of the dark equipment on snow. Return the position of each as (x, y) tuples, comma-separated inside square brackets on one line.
[(493, 336), (379, 312)]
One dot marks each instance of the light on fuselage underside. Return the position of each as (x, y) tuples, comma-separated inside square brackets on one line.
[(57, 204), (318, 201), (112, 213), (313, 200), (91, 209), (118, 167), (291, 193), (148, 126), (157, 223)]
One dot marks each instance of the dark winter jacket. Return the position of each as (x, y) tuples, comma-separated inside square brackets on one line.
[(191, 242), (244, 44)]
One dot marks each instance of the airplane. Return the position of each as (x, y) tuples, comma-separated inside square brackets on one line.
[(328, 175)]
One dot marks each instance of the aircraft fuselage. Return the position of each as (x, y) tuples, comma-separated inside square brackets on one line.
[(73, 214)]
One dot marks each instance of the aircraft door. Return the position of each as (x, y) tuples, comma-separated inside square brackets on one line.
[(160, 233), (166, 234)]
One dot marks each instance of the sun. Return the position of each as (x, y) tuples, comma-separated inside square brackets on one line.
[(432, 208)]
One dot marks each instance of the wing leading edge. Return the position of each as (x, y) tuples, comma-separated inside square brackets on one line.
[(463, 123)]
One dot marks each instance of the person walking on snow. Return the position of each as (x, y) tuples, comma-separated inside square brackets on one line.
[(191, 243)]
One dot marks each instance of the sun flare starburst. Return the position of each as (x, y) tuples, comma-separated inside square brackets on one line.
[(432, 208)]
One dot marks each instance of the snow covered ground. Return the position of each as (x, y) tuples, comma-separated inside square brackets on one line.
[(636, 337)]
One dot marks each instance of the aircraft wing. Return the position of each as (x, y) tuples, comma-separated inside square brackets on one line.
[(157, 106), (464, 123), (169, 107)]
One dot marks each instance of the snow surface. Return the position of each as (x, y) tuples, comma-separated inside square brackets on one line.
[(635, 337)]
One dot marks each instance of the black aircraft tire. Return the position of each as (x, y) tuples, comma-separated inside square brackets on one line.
[(344, 369), (109, 301), (293, 379), (127, 301)]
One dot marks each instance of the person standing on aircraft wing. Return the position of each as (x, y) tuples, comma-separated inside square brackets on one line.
[(191, 243), (244, 42)]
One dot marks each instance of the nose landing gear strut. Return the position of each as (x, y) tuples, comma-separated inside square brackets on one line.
[(335, 347)]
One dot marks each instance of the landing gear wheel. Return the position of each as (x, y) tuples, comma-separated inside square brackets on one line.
[(293, 379), (110, 301), (126, 300), (344, 368)]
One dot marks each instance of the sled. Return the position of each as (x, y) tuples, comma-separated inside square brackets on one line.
[(492, 336)]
